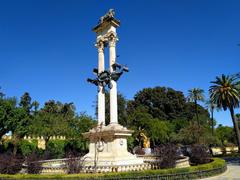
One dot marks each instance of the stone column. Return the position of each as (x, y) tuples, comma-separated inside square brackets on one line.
[(101, 93), (113, 90)]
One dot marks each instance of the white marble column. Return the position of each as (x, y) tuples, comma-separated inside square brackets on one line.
[(101, 93), (113, 90)]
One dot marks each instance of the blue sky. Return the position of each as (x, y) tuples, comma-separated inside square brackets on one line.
[(47, 47)]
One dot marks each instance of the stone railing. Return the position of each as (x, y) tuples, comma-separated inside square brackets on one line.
[(54, 166), (183, 161), (119, 168)]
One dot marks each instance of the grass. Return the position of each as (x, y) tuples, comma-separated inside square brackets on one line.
[(216, 163)]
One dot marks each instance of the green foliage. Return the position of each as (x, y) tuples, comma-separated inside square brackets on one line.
[(192, 134), (26, 147), (20, 123), (225, 134), (130, 143), (55, 148), (225, 92), (79, 145), (80, 124), (7, 114), (163, 113), (195, 94), (25, 102), (159, 102), (159, 131), (7, 145), (52, 120)]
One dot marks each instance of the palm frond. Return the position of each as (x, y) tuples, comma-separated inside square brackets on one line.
[(225, 91)]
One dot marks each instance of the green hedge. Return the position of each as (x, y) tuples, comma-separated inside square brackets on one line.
[(217, 163), (56, 148)]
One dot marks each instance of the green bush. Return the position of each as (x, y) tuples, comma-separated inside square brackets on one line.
[(76, 145), (55, 148), (27, 147), (8, 146)]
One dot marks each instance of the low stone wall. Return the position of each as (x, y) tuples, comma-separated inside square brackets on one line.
[(58, 166)]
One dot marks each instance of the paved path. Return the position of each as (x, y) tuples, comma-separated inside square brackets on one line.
[(233, 170)]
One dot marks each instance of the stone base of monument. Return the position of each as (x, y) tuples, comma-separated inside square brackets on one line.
[(108, 150)]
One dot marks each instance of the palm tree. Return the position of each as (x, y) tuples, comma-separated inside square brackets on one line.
[(226, 94), (212, 107), (195, 95)]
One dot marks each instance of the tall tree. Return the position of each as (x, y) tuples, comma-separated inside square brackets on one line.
[(225, 93), (212, 107), (238, 119), (25, 102), (161, 102), (195, 95), (35, 106), (53, 119), (1, 93)]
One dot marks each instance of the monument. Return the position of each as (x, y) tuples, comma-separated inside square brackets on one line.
[(108, 143)]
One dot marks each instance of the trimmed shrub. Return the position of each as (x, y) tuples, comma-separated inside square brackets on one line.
[(55, 149), (199, 154), (168, 155), (10, 164), (74, 163)]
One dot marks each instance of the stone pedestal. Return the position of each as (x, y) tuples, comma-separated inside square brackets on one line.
[(108, 147)]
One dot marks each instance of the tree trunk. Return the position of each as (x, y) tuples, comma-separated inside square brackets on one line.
[(196, 109), (235, 124), (212, 122), (15, 140), (198, 123)]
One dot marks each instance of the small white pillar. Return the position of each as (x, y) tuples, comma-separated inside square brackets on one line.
[(101, 93), (113, 90)]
